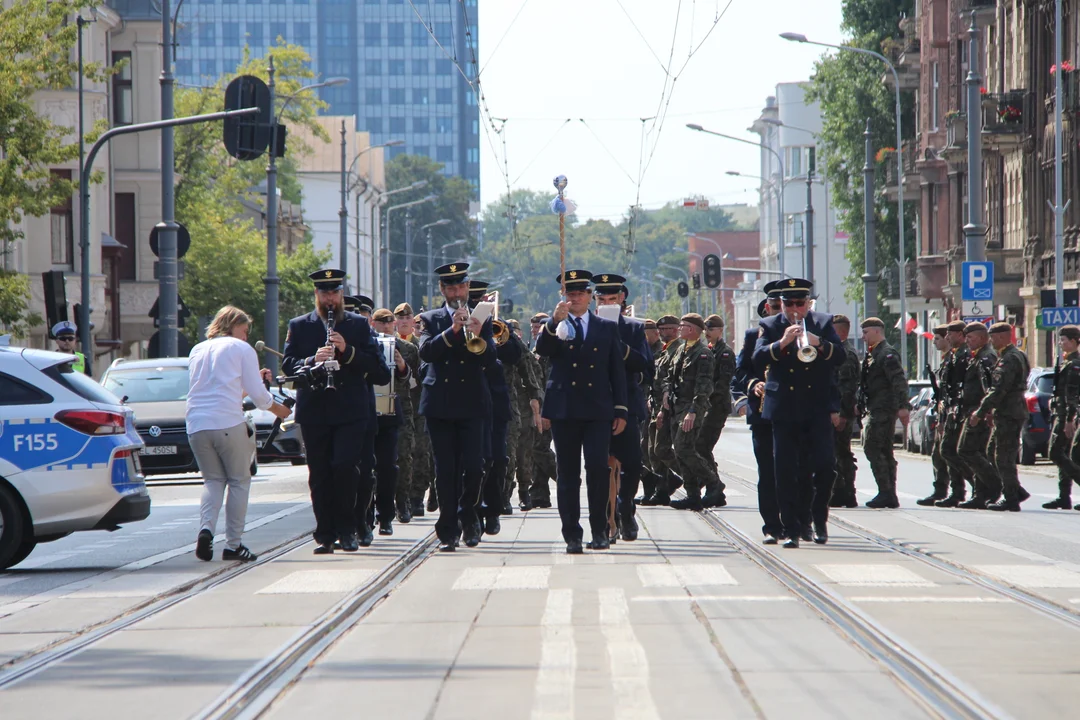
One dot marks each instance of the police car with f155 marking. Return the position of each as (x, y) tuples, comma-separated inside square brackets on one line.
[(68, 454)]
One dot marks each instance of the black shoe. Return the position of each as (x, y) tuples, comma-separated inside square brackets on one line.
[(1061, 503), (1005, 505), (807, 534), (714, 499), (492, 526), (1076, 507), (365, 537), (348, 543), (952, 501), (629, 529), (975, 503), (327, 549), (418, 507), (450, 546), (791, 542), (241, 553), (386, 528), (661, 499), (882, 501), (432, 501), (472, 540), (404, 513), (648, 500), (544, 504), (852, 502), (599, 543), (525, 505), (204, 546), (687, 503), (573, 547), (836, 501), (1022, 494), (821, 533), (930, 500), (769, 539)]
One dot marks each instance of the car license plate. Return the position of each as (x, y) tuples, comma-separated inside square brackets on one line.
[(159, 450)]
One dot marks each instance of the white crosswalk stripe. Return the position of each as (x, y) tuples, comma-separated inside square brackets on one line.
[(318, 581), (672, 576), (1033, 576), (874, 575), (554, 698), (629, 663), (534, 577)]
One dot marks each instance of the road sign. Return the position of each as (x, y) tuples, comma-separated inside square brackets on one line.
[(977, 281), (1056, 317), (987, 321), (182, 312), (183, 241), (976, 308)]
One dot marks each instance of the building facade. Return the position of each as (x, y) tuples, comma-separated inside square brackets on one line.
[(404, 83)]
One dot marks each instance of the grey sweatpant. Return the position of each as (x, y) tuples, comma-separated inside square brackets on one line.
[(224, 458)]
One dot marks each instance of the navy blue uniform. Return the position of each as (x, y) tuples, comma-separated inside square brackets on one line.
[(454, 402), (744, 382), (334, 422), (799, 397), (626, 446), (585, 392)]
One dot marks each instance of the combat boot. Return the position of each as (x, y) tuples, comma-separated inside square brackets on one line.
[(714, 498), (885, 499), (952, 501), (1005, 504), (692, 501), (1061, 503), (931, 499), (975, 503)]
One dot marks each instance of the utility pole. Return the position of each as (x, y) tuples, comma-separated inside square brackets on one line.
[(870, 277), (975, 230), (1059, 151), (809, 234), (408, 257), (167, 228), (270, 331), (343, 218)]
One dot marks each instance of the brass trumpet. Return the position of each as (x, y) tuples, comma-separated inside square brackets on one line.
[(502, 332), (807, 353), (473, 343)]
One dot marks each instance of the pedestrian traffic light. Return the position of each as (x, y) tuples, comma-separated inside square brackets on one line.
[(713, 271), (696, 280), (684, 289), (246, 137), (55, 297)]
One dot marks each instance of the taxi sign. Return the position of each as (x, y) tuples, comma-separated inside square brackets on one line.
[(1058, 316)]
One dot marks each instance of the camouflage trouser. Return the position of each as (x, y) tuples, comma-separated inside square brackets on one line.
[(513, 441), (1063, 453), (844, 485), (423, 470), (405, 443), (695, 468), (952, 426), (522, 459), (973, 451), (544, 470), (878, 447), (941, 466), (1006, 440), (711, 428)]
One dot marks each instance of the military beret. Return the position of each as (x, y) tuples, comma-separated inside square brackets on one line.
[(714, 321), (1001, 327), (650, 324), (667, 320), (957, 326), (694, 319), (539, 317), (974, 327), (382, 315), (840, 320), (941, 330), (403, 309), (1070, 331), (872, 322)]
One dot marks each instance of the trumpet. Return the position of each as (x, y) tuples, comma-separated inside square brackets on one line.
[(807, 353), (502, 332), (473, 343)]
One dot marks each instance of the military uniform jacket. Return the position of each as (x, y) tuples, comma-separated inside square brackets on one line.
[(690, 383), (411, 356), (723, 372), (884, 381), (954, 381), (1006, 397), (588, 377), (796, 391), (639, 364), (978, 376), (498, 377), (362, 366), (746, 378), (663, 372), (454, 387), (847, 380), (1067, 388)]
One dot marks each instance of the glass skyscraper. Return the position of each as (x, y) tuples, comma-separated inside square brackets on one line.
[(402, 86)]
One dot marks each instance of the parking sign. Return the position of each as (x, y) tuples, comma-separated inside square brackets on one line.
[(977, 282)]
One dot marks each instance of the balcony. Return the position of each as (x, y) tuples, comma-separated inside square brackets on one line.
[(912, 178), (890, 278), (904, 54), (932, 276), (1003, 119), (955, 149), (980, 5), (1070, 86)]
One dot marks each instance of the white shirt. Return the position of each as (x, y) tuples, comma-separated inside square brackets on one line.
[(221, 371), (584, 320)]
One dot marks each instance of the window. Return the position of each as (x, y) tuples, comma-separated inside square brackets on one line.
[(230, 33), (444, 96), (124, 224), (393, 152), (443, 67), (397, 125), (278, 30), (14, 392), (373, 96), (473, 155), (444, 154), (374, 125), (372, 33), (397, 96), (420, 96), (183, 69), (208, 68), (419, 35), (793, 233), (470, 98), (395, 34), (935, 80), (121, 82), (256, 34), (421, 125), (302, 33), (475, 127), (207, 33), (794, 161), (444, 125), (373, 67), (61, 226), (397, 67), (444, 33), (419, 67)]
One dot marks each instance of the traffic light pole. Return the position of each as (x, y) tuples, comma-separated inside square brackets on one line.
[(168, 280), (84, 193)]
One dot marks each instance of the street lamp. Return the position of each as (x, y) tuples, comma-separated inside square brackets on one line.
[(800, 38), (343, 212), (271, 280), (430, 259), (780, 195), (386, 240)]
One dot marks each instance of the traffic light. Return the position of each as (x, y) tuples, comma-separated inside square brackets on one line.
[(684, 289), (713, 271), (55, 298), (697, 281), (247, 137)]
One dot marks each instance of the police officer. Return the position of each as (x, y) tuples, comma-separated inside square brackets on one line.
[(544, 467), (939, 380), (1006, 401), (661, 435), (847, 383), (950, 419), (454, 402), (884, 388), (751, 385), (802, 403), (719, 402), (585, 404), (65, 332), (690, 387), (331, 421), (974, 437), (1065, 405)]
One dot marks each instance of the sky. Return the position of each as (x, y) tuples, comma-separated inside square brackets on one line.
[(543, 62)]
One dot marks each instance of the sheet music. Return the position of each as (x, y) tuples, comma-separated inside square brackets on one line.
[(483, 311), (609, 312)]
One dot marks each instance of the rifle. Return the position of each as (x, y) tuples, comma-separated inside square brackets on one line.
[(860, 394), (933, 384)]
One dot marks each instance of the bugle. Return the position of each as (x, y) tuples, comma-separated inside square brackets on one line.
[(807, 353), (473, 343)]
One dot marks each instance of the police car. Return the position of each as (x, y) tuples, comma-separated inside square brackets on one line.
[(67, 454)]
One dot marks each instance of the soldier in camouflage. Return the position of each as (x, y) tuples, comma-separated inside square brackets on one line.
[(689, 389), (661, 434), (940, 384), (719, 403), (422, 470), (1006, 401), (884, 387), (1065, 405), (544, 468), (975, 437), (847, 382), (525, 394), (950, 419)]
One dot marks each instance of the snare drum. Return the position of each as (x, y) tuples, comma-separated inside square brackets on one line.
[(385, 397)]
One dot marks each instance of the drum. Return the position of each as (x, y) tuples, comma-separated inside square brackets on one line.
[(385, 397)]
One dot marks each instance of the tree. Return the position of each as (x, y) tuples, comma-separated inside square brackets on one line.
[(14, 299)]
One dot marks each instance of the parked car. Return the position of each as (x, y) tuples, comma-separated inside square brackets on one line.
[(157, 391), (1035, 437), (288, 444), (920, 430), (914, 388)]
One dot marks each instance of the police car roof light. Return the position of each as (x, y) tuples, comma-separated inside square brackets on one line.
[(93, 422)]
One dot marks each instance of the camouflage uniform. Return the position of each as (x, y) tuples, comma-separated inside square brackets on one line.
[(951, 421), (937, 456), (528, 367), (406, 438), (884, 386), (1006, 400), (719, 403), (847, 382), (522, 385), (649, 476), (662, 453), (423, 469), (974, 439), (1062, 447), (690, 385), (544, 470)]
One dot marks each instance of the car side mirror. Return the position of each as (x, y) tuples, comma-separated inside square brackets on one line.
[(249, 406)]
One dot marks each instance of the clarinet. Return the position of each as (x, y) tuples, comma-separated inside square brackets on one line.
[(329, 331)]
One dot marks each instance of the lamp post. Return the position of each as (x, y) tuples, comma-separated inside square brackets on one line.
[(808, 261), (85, 338), (386, 241), (343, 212), (430, 260), (378, 259), (780, 195), (271, 281), (686, 279), (797, 37)]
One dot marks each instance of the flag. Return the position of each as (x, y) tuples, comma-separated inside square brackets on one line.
[(928, 335), (910, 325)]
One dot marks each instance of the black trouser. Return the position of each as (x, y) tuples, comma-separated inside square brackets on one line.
[(386, 468), (626, 447), (761, 434), (572, 437), (333, 453), (490, 500), (816, 465), (457, 447)]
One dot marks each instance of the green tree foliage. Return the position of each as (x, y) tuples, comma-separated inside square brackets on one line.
[(14, 298), (850, 88)]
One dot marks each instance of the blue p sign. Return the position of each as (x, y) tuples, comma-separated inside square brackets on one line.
[(977, 281)]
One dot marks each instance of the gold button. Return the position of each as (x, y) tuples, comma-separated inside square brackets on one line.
[(461, 361), (791, 387), (592, 366), (791, 369), (590, 384), (575, 364), (573, 383), (462, 379), (595, 349)]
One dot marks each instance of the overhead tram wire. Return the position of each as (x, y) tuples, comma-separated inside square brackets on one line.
[(505, 33), (614, 159), (541, 151)]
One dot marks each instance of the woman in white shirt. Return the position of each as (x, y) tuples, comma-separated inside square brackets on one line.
[(223, 369)]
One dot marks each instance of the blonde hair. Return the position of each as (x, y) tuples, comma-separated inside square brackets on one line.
[(226, 319)]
